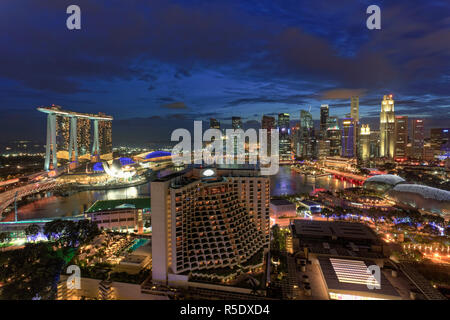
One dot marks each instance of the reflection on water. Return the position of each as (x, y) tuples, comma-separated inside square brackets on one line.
[(286, 181)]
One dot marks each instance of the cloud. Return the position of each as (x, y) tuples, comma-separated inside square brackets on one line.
[(174, 105), (342, 93)]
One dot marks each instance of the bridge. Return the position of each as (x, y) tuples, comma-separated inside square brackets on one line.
[(7, 198), (351, 177)]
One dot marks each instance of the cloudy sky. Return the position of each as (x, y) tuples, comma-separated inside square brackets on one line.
[(157, 65)]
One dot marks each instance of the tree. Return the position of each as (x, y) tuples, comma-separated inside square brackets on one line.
[(5, 237), (32, 230)]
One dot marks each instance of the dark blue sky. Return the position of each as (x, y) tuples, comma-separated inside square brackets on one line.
[(157, 65)]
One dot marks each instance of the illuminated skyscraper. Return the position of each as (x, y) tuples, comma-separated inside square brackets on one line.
[(417, 139), (324, 114), (284, 130), (354, 105), (334, 136), (401, 137), (387, 127), (268, 123), (439, 140), (374, 144), (348, 134), (62, 135), (364, 147), (84, 136), (306, 135), (105, 139)]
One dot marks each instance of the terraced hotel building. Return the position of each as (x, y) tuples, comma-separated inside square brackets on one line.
[(208, 220)]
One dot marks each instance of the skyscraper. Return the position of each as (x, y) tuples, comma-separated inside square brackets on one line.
[(417, 139), (439, 140), (354, 108), (374, 144), (334, 135), (84, 136), (284, 130), (268, 123), (306, 135), (62, 137), (348, 134), (401, 137), (105, 139), (364, 147), (387, 127), (208, 219), (324, 114)]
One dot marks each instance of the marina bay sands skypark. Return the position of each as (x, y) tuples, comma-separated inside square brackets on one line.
[(69, 136)]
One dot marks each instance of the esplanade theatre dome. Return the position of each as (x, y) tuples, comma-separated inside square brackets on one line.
[(383, 182)]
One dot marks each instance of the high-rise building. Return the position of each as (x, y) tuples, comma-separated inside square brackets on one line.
[(374, 144), (62, 135), (84, 136), (439, 140), (268, 123), (208, 219), (348, 140), (324, 114), (387, 127), (334, 136), (214, 123), (105, 139), (284, 130), (401, 137), (364, 144), (306, 135), (354, 108), (417, 139)]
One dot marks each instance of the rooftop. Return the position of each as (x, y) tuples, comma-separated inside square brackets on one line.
[(353, 276), (424, 191), (280, 202), (390, 179), (103, 205), (339, 229)]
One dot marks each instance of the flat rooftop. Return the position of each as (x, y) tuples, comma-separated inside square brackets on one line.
[(339, 229), (280, 202), (135, 203), (348, 276)]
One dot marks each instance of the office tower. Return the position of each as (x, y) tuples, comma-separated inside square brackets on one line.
[(439, 139), (401, 137), (323, 148), (306, 135), (354, 108), (284, 130), (105, 139), (214, 123), (324, 114), (348, 141), (364, 146), (374, 144), (387, 127), (417, 139), (295, 138), (208, 219), (84, 136), (334, 136), (268, 123)]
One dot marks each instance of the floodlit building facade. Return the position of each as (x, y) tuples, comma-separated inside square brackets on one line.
[(387, 127)]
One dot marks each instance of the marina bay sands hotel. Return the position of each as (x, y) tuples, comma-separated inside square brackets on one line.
[(69, 136)]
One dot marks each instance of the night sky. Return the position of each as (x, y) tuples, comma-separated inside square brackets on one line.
[(157, 65)]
